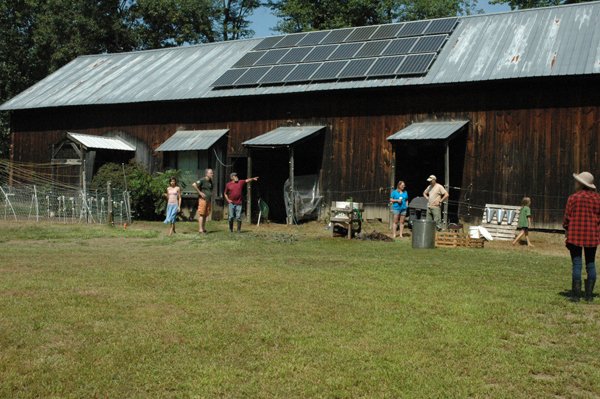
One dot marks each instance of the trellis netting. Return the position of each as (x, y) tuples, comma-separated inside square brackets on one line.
[(34, 194), (64, 206)]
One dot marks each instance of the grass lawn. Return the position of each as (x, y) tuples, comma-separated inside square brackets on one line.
[(90, 311)]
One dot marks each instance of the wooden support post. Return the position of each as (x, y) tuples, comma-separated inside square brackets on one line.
[(249, 190), (447, 181), (291, 208)]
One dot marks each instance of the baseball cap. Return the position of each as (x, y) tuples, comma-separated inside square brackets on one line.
[(432, 177), (231, 175)]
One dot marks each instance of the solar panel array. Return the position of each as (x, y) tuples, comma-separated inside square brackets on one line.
[(395, 50)]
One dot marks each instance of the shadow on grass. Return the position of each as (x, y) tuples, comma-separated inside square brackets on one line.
[(568, 294)]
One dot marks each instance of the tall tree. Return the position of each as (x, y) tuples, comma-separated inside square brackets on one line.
[(522, 4), (306, 15), (166, 23), (233, 18)]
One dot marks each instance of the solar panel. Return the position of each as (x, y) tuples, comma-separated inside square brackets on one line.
[(413, 29), (386, 66), (271, 57), (320, 53), (229, 77), (313, 38), (345, 51), (337, 36), (268, 43), (356, 68), (302, 73), (329, 70), (387, 31), (429, 44), (416, 64), (361, 34), (295, 55), (441, 26), (277, 74), (372, 49), (252, 76), (290, 40), (400, 46), (249, 59)]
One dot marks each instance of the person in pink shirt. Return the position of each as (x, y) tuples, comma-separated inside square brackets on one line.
[(234, 196)]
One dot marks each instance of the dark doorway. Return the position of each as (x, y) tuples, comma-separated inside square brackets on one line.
[(417, 159), (272, 165)]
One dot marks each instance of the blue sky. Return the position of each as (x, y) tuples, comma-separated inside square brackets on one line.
[(263, 21)]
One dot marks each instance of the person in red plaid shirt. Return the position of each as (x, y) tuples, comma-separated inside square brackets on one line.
[(582, 227)]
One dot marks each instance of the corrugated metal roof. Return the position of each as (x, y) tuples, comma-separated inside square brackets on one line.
[(101, 142), (155, 75), (192, 140), (552, 41), (283, 136), (428, 131)]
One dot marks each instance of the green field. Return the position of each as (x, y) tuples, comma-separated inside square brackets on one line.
[(277, 312)]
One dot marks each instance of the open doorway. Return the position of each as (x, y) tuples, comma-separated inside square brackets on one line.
[(278, 156), (417, 158)]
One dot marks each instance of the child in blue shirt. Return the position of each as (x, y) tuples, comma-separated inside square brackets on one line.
[(399, 201)]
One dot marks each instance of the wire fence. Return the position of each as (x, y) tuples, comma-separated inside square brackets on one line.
[(59, 205), (42, 192)]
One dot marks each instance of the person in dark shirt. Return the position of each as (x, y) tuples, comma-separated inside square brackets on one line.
[(234, 196), (204, 187)]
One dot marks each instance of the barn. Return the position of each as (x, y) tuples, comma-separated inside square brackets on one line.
[(498, 106)]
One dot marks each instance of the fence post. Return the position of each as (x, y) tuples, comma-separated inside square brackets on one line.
[(109, 215), (37, 206)]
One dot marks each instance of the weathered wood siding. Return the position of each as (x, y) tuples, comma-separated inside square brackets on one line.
[(525, 137)]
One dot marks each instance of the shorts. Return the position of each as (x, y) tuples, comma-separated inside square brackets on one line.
[(397, 212), (203, 207), (525, 229)]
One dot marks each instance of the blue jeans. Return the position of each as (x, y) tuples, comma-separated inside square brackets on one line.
[(235, 212), (576, 258)]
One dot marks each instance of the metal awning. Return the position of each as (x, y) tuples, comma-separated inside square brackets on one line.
[(428, 131), (192, 140), (100, 142), (283, 136)]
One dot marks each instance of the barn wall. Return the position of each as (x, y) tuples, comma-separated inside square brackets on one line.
[(525, 137)]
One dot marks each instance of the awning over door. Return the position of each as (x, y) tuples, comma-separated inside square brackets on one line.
[(92, 142), (192, 140), (428, 131), (283, 136)]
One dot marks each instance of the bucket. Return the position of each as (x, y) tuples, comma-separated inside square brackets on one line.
[(423, 234), (474, 232)]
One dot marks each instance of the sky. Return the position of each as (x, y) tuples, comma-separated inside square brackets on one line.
[(263, 21)]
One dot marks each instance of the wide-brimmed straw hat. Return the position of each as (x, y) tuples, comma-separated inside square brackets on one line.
[(585, 178)]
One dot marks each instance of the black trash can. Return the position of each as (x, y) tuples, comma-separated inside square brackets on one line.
[(423, 234)]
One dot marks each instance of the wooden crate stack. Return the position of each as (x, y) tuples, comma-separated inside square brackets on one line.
[(452, 239), (502, 231)]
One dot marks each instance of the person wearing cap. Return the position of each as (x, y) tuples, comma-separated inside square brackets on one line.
[(233, 195), (582, 228), (436, 194)]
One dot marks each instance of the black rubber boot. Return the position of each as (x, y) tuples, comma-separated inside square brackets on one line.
[(239, 226), (576, 294), (231, 225), (589, 289)]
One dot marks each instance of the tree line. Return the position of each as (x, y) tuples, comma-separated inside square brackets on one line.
[(39, 36)]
